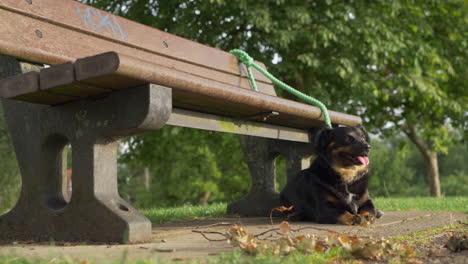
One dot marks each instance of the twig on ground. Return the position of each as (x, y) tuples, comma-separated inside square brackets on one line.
[(268, 231), (311, 227), (215, 224), (203, 233)]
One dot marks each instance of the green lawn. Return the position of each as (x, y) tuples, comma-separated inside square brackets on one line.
[(454, 204), (158, 215)]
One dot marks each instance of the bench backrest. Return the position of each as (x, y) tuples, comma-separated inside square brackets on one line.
[(57, 31)]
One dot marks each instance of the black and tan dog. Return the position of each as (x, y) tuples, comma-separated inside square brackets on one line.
[(333, 189)]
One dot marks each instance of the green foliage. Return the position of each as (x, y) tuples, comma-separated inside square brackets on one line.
[(455, 184), (9, 173), (397, 169), (185, 166), (390, 174)]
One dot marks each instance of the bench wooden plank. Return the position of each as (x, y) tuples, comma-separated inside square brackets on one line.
[(185, 118), (126, 32), (20, 84), (16, 27), (60, 79), (25, 87)]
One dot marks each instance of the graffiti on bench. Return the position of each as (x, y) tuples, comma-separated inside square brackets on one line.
[(93, 19)]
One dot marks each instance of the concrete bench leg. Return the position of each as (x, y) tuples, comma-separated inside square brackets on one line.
[(92, 126), (260, 155)]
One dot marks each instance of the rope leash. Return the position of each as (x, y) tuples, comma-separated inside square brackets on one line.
[(249, 62)]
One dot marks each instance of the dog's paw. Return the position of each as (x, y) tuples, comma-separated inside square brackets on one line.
[(349, 219), (367, 218)]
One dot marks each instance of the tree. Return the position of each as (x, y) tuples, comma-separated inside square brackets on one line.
[(398, 64), (187, 166)]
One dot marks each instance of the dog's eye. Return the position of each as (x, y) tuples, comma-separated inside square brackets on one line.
[(350, 139)]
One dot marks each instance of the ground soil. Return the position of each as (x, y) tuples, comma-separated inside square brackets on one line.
[(177, 241)]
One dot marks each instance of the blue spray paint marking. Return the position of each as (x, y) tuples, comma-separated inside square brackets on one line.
[(93, 19)]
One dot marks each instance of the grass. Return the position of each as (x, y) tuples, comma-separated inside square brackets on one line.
[(160, 215), (424, 236), (454, 204)]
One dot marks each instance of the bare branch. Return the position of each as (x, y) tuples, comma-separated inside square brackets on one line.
[(215, 224), (203, 233)]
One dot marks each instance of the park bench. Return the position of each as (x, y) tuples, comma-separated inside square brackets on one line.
[(73, 74)]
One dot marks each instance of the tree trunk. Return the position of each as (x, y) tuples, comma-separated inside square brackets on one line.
[(146, 175), (432, 169), (430, 159)]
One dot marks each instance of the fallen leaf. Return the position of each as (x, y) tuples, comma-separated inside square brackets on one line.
[(320, 246), (279, 209), (284, 227), (369, 250), (457, 243), (409, 251), (282, 209)]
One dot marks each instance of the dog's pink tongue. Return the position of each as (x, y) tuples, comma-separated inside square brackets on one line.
[(363, 159)]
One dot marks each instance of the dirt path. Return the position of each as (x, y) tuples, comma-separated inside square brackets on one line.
[(177, 241)]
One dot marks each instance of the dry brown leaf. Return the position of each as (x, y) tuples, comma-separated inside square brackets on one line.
[(320, 246), (300, 238), (457, 243), (358, 247), (409, 251), (282, 209), (238, 236), (284, 227), (369, 250)]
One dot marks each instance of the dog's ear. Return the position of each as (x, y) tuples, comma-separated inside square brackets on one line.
[(364, 132), (321, 138)]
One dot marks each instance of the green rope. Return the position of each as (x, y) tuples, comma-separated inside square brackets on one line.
[(249, 62)]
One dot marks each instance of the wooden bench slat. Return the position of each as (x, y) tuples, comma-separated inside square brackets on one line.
[(19, 85), (61, 79), (25, 87), (184, 118), (62, 20), (56, 75), (130, 33)]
